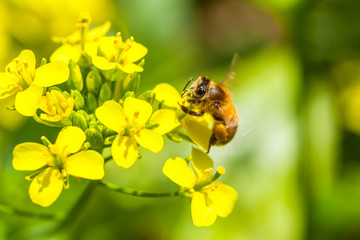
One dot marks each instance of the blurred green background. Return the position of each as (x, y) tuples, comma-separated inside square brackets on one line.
[(295, 161)]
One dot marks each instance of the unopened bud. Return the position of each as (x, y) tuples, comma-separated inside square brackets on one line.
[(148, 96), (91, 103), (105, 92), (93, 81), (95, 138), (78, 99), (131, 82), (79, 120), (128, 94), (75, 79)]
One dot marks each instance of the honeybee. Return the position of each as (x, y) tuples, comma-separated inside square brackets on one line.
[(207, 96)]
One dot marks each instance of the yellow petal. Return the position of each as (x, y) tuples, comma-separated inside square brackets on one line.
[(137, 111), (202, 215), (66, 53), (130, 68), (124, 151), (166, 119), (91, 48), (222, 198), (9, 84), (179, 171), (112, 115), (102, 63), (70, 139), (107, 47), (46, 187), (30, 156), (199, 132), (136, 52), (25, 55), (97, 32), (85, 164), (202, 164), (150, 140), (52, 74), (167, 93), (27, 101)]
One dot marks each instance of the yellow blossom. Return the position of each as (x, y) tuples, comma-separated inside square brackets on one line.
[(130, 123), (209, 199), (167, 94), (82, 41), (21, 78), (116, 53), (55, 106), (60, 160)]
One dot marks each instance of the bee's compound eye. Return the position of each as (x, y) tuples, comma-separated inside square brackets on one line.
[(200, 90)]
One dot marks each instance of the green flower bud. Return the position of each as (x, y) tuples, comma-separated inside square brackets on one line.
[(105, 92), (79, 120), (91, 102), (78, 99), (94, 81), (75, 79), (148, 96), (43, 61), (85, 114), (131, 82), (108, 132), (128, 94), (95, 138)]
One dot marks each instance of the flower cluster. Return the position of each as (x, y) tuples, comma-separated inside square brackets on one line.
[(89, 90)]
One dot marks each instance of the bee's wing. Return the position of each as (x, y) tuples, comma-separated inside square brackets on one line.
[(230, 75)]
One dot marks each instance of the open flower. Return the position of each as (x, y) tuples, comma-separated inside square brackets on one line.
[(83, 40), (55, 106), (116, 53), (57, 161), (21, 78), (130, 122), (209, 199)]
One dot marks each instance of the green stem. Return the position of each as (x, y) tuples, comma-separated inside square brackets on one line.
[(43, 216), (75, 211), (135, 192)]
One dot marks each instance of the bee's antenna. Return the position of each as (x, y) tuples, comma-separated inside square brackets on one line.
[(187, 84), (230, 73)]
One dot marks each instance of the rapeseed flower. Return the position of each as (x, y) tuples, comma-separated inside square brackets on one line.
[(56, 162), (55, 106), (114, 53), (27, 82), (130, 123), (81, 41), (209, 199)]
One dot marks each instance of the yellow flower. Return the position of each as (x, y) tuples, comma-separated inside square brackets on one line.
[(130, 124), (61, 159), (208, 199), (199, 129), (116, 53), (167, 94), (55, 106), (83, 40), (23, 79)]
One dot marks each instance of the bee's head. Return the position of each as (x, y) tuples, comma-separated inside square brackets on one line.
[(201, 85)]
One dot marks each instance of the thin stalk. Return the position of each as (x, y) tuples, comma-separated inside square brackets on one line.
[(43, 216), (135, 192)]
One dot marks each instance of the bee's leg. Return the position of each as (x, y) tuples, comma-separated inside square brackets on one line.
[(193, 101), (192, 113), (212, 141)]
